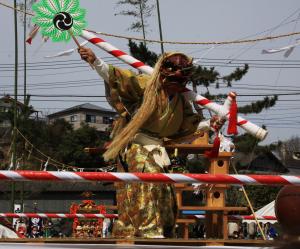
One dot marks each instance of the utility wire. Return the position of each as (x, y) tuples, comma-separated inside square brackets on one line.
[(101, 81), (80, 65), (108, 59), (104, 101), (102, 96), (239, 41)]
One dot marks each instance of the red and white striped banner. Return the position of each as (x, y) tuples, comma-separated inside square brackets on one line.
[(57, 216), (249, 127), (27, 175)]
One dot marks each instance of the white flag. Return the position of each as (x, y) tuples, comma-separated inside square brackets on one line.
[(289, 49)]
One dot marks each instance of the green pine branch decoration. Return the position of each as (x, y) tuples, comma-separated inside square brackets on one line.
[(207, 76), (258, 106), (142, 53), (236, 75), (59, 19), (254, 107)]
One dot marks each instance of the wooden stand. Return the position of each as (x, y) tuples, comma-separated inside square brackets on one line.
[(216, 211)]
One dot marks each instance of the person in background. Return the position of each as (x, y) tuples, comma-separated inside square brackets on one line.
[(272, 233)]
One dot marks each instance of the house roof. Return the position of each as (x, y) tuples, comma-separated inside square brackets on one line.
[(292, 163), (85, 106), (263, 162), (8, 100)]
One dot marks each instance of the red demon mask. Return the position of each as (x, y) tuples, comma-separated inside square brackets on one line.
[(176, 68)]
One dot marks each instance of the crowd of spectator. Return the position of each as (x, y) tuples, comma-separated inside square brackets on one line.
[(239, 230), (60, 228)]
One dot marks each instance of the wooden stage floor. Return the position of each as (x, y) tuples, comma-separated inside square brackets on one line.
[(55, 243)]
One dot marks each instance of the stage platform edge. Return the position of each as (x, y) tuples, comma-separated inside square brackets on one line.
[(173, 242)]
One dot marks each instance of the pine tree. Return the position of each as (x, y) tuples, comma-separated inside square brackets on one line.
[(142, 53), (140, 10), (207, 77)]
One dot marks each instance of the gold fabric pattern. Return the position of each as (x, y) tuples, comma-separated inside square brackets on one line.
[(145, 209)]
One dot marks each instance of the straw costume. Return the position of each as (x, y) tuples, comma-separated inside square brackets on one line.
[(147, 114)]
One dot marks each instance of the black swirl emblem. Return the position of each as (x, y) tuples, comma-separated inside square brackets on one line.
[(63, 21)]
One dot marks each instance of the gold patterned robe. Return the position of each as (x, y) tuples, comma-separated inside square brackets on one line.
[(145, 209)]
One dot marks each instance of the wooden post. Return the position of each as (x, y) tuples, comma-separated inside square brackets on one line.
[(217, 222), (216, 210), (225, 225)]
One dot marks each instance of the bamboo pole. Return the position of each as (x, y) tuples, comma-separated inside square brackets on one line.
[(14, 149), (251, 207), (142, 20), (159, 25), (25, 89)]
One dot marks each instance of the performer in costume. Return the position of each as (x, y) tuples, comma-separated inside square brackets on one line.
[(150, 109)]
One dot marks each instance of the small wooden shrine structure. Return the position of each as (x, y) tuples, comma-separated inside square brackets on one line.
[(86, 227)]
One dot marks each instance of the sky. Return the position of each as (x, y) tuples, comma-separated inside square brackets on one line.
[(190, 20)]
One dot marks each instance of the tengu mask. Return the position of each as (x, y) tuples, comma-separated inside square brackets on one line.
[(176, 68)]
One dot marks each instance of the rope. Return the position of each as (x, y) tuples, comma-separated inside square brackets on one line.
[(55, 163), (17, 9), (201, 43), (178, 42)]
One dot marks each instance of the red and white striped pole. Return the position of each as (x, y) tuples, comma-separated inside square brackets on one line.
[(57, 216), (128, 59), (240, 217), (222, 111), (27, 175), (111, 216)]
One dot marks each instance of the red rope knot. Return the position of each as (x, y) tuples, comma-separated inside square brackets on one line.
[(232, 120)]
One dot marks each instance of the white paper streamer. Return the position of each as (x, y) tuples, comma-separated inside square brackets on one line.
[(65, 53)]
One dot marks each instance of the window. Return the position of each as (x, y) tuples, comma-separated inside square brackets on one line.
[(4, 109), (90, 118), (73, 118), (5, 123), (107, 120)]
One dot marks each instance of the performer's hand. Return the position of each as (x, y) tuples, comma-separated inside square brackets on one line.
[(87, 54), (216, 122)]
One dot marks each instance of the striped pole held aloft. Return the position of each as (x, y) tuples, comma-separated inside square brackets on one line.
[(222, 111)]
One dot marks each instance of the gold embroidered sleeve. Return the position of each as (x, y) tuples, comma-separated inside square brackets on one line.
[(126, 89)]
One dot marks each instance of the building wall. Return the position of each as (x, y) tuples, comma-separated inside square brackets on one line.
[(4, 108), (76, 119), (56, 202)]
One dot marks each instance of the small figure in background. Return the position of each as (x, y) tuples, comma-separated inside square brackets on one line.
[(21, 228)]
